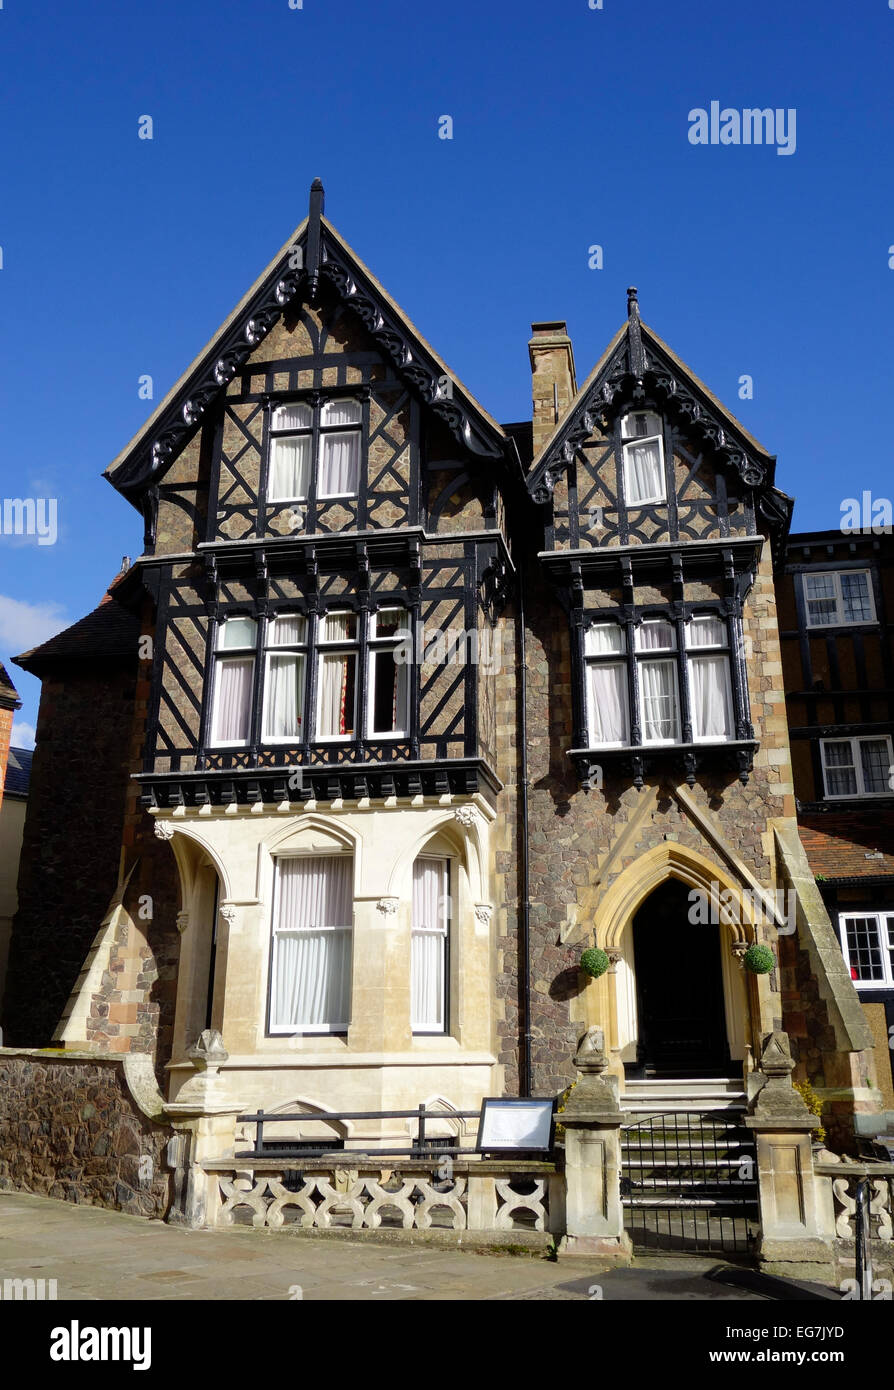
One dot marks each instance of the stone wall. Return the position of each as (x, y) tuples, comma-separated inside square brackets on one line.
[(70, 1128), (72, 840)]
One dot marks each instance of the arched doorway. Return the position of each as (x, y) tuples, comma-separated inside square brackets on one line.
[(679, 988)]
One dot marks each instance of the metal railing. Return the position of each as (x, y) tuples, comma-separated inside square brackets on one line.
[(423, 1146)]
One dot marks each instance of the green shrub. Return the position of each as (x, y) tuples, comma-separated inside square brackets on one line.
[(594, 962), (759, 960)]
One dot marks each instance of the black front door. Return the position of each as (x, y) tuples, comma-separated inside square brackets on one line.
[(679, 988)]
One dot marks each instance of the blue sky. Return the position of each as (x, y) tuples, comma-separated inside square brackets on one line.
[(570, 129)]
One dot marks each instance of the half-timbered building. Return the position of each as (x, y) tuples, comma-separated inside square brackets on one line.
[(422, 706)]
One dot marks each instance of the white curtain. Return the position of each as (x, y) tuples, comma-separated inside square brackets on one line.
[(339, 463), (312, 943), (658, 687), (429, 946), (710, 696), (292, 417), (643, 473), (705, 631), (290, 468), (286, 631), (284, 697), (603, 639), (608, 703), (655, 634), (232, 699), (335, 695)]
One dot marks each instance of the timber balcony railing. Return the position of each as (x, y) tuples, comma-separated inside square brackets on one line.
[(429, 1185)]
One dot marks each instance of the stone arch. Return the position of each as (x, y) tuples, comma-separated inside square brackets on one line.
[(670, 860), (469, 846), (191, 850), (302, 1106), (442, 1120)]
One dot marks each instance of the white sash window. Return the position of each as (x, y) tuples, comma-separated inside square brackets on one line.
[(658, 694), (428, 966), (339, 472), (608, 709), (337, 676), (388, 684), (234, 674), (710, 686), (838, 598), (291, 441), (855, 767), (310, 989), (285, 678), (643, 452)]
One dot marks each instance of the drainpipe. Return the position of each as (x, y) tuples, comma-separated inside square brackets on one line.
[(527, 1077)]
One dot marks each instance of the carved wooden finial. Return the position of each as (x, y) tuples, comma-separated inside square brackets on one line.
[(632, 302), (315, 213)]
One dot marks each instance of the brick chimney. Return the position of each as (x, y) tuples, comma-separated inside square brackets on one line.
[(9, 703), (553, 383)]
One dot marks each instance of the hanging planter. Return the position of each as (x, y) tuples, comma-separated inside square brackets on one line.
[(594, 962), (759, 960)]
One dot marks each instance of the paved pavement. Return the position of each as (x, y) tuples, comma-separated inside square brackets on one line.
[(95, 1254)]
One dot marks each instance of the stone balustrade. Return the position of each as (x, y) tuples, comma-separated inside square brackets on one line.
[(359, 1192)]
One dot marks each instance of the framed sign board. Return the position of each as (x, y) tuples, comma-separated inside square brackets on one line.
[(509, 1125)]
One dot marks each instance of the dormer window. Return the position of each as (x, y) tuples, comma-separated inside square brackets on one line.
[(328, 433), (642, 445)]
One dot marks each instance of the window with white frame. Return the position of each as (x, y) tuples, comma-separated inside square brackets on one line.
[(642, 446), (337, 676), (860, 766), (429, 945), (657, 677), (300, 432), (233, 681), (867, 941), (710, 687), (285, 672), (608, 704), (310, 985), (838, 598), (388, 681), (657, 663)]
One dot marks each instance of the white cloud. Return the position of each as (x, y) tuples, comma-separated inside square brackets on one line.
[(22, 734), (26, 625)]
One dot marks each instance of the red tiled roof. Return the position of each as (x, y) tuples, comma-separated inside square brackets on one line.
[(852, 844)]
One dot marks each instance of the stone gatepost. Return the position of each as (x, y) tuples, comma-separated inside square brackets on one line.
[(794, 1231), (594, 1216), (206, 1129)]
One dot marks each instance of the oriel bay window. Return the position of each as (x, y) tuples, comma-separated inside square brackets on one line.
[(658, 674), (305, 659), (315, 450), (310, 968)]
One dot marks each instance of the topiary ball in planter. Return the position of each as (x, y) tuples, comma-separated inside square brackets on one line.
[(594, 962), (759, 960)]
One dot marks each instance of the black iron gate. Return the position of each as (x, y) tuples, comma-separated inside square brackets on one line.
[(689, 1181)]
